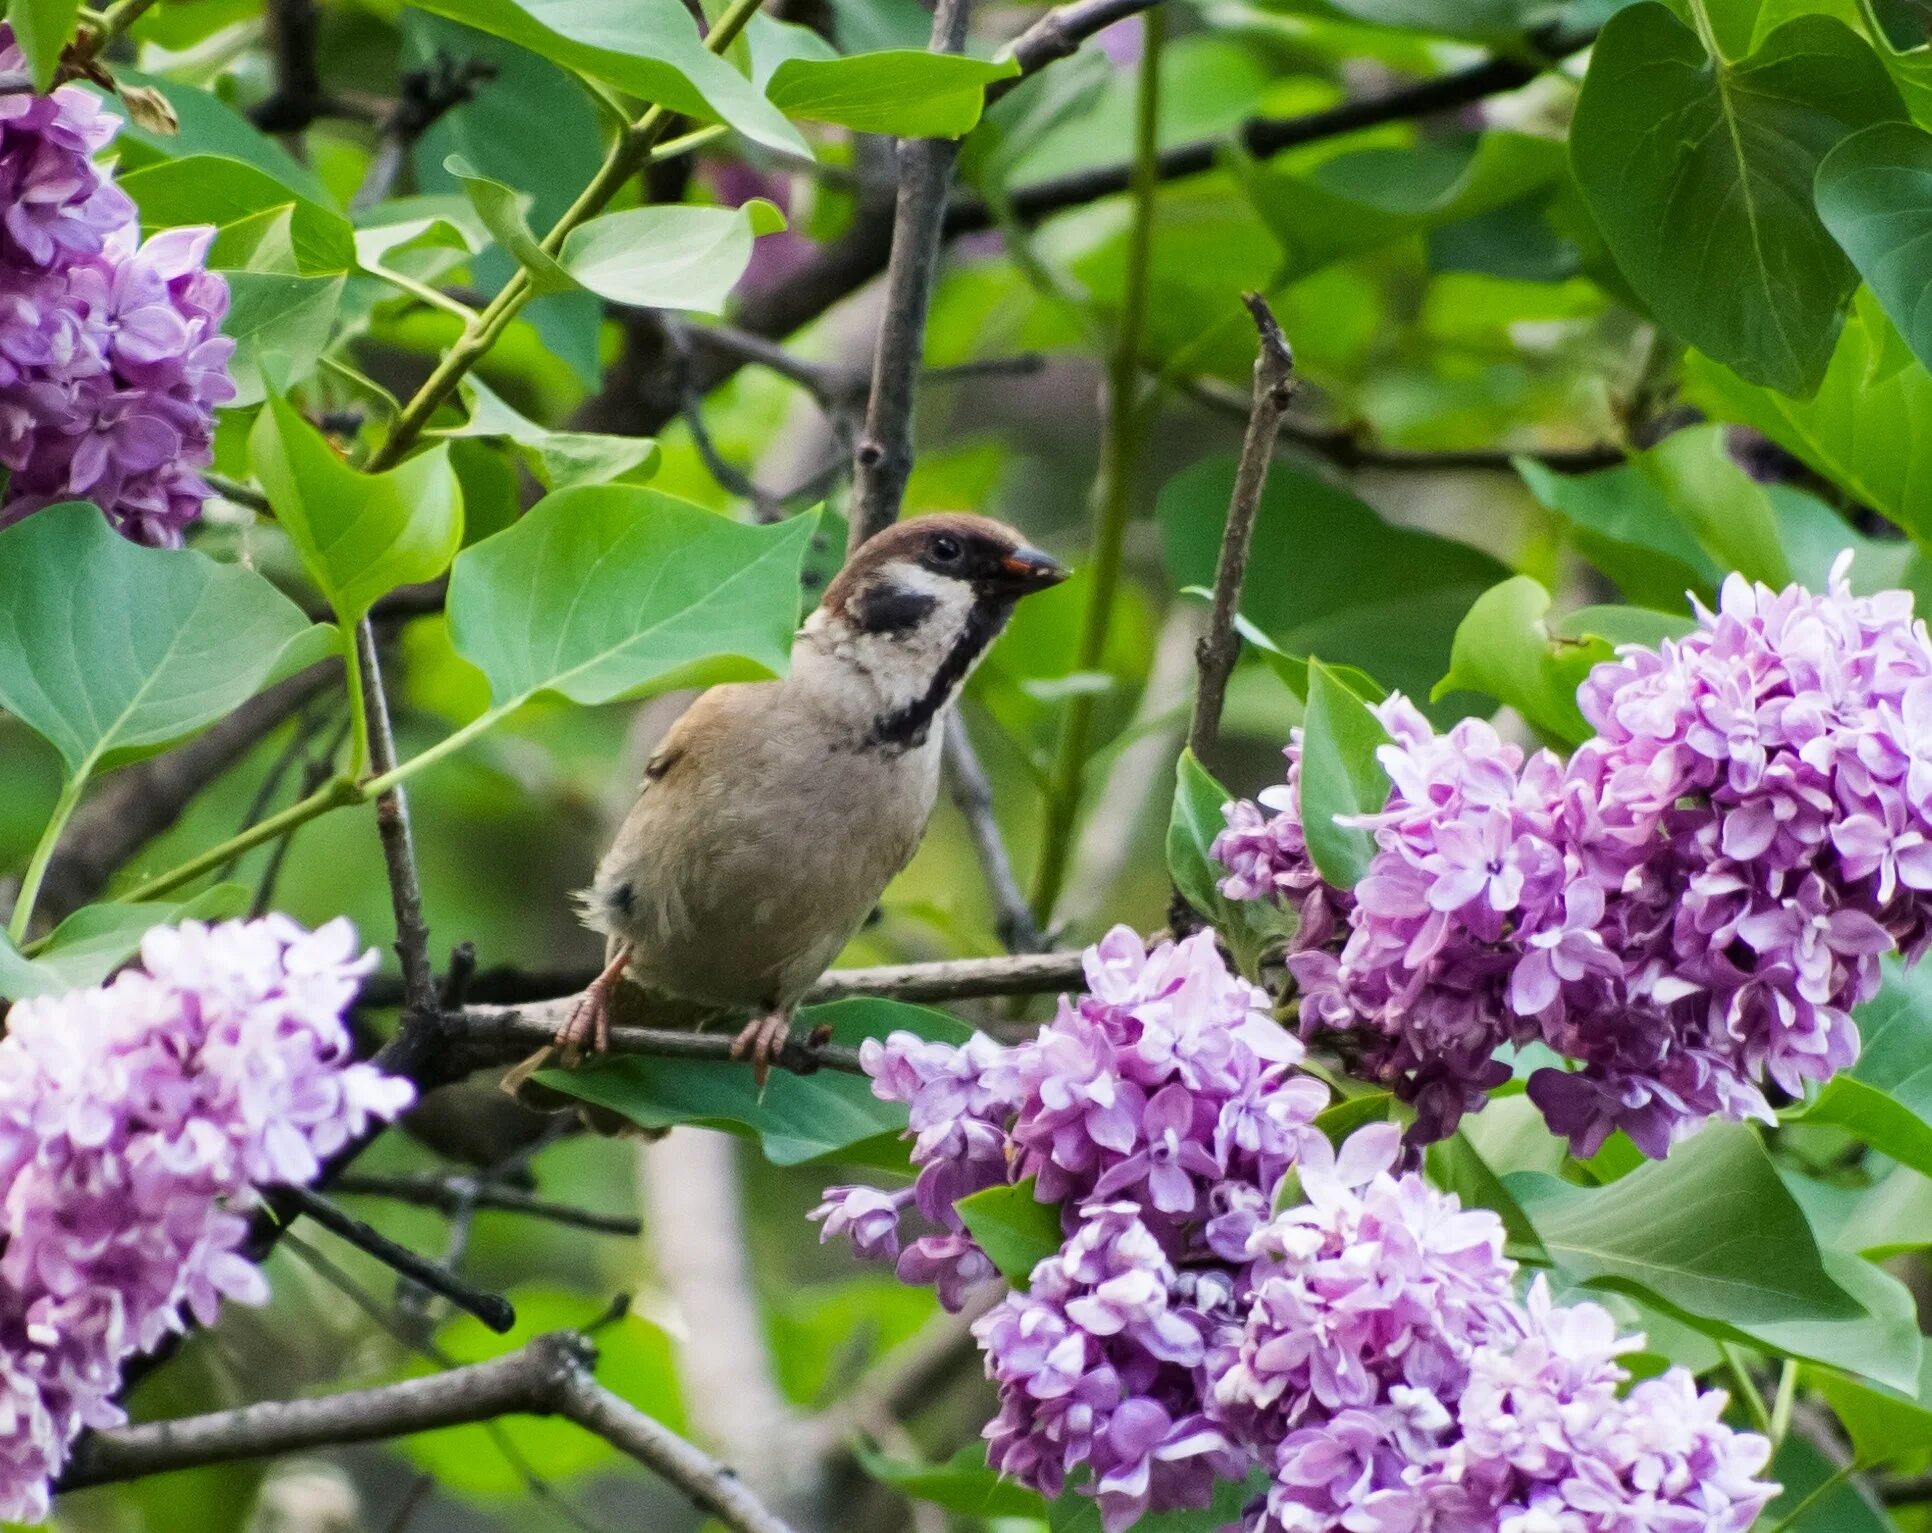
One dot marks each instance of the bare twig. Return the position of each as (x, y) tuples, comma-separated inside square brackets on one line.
[(883, 461), (298, 98), (314, 774), (1274, 386), (451, 1194), (1018, 932), (1059, 34), (492, 1309), (392, 824), (548, 1377), (482, 1036)]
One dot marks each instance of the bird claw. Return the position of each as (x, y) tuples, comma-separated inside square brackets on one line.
[(764, 1039)]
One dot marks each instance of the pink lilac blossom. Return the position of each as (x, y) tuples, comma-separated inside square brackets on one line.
[(111, 361), (136, 1120), (1364, 1347), (1687, 910)]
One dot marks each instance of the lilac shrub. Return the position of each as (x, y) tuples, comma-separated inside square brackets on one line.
[(1686, 910), (111, 360), (1363, 1346), (137, 1119)]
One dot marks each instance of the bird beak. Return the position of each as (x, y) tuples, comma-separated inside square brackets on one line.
[(1027, 570)]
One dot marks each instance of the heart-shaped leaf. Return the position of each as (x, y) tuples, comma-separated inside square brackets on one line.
[(360, 535), (234, 196), (111, 651), (600, 590), (1699, 173), (97, 939), (506, 214), (903, 91), (1506, 649), (43, 28)]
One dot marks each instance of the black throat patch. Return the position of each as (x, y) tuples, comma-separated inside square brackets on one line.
[(906, 727)]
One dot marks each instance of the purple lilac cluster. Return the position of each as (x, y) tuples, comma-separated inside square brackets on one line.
[(1688, 908), (111, 362), (1386, 1374), (136, 1118), (1364, 1347)]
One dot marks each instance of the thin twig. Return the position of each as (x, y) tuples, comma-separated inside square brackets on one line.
[(548, 1377), (450, 1194), (973, 793), (1274, 386), (427, 93), (314, 774), (392, 824), (482, 1036), (1059, 34), (492, 1309), (882, 463)]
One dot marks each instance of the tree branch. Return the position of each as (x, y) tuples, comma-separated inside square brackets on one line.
[(392, 824), (1274, 386), (882, 462), (492, 1309), (452, 1194), (548, 1377), (1059, 34), (973, 794)]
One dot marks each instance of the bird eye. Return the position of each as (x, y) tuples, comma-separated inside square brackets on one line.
[(946, 549)]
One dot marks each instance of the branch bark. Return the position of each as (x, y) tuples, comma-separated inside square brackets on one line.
[(973, 794), (882, 461), (1059, 34), (548, 1377), (1274, 386), (392, 825), (452, 1194)]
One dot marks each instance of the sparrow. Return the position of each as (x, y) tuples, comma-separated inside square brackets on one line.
[(773, 814)]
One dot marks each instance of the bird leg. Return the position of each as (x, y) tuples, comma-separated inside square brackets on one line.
[(589, 1019), (764, 1038)]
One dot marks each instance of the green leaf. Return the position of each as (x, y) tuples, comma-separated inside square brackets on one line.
[(1887, 1426), (506, 214), (1727, 511), (111, 651), (1815, 1496), (1699, 174), (1329, 577), (599, 591), (1885, 1097), (1456, 1165), (97, 939), (560, 459), (360, 535), (43, 28), (234, 197), (1622, 522), (1506, 649), (1074, 1513), (645, 47), (828, 1115), (1339, 776), (1882, 1344), (1248, 926), (678, 257), (1874, 193), (1482, 21), (280, 326), (1374, 197), (1013, 1227), (964, 1483), (208, 125), (1864, 429), (904, 92), (1710, 1235), (636, 1359)]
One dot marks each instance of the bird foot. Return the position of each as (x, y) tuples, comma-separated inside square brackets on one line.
[(589, 1019), (763, 1039)]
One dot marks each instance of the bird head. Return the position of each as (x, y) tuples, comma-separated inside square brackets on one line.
[(916, 607)]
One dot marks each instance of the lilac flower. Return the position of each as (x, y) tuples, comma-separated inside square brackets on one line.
[(111, 361), (1688, 909), (136, 1121)]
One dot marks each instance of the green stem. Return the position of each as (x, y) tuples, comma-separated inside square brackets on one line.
[(1707, 34), (64, 806), (358, 706), (634, 149), (334, 794), (1784, 1402), (1747, 1388), (446, 746), (1113, 490), (115, 20), (1818, 1492)]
